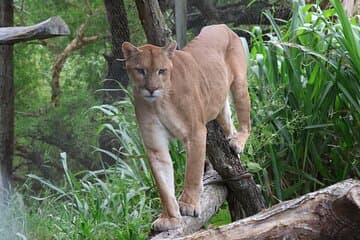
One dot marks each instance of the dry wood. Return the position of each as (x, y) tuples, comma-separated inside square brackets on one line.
[(79, 41), (212, 197), (330, 213), (51, 27)]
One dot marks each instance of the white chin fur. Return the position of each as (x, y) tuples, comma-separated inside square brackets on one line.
[(150, 97)]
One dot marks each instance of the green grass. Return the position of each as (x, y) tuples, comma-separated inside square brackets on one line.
[(305, 93), (107, 204)]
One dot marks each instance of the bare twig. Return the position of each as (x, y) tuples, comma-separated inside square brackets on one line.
[(78, 42)]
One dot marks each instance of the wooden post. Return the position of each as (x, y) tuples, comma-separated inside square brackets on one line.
[(6, 101), (9, 35), (180, 22)]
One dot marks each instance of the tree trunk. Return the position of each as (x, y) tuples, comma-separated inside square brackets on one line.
[(153, 22), (330, 213), (6, 101), (244, 198), (116, 77)]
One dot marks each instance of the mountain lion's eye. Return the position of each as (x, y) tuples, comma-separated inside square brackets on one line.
[(140, 71), (162, 71)]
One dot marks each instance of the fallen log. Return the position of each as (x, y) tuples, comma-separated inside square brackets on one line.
[(330, 213), (212, 197), (51, 27)]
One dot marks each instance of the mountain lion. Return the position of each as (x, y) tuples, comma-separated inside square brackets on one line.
[(176, 93)]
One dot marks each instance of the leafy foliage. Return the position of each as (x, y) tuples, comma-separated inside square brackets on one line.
[(306, 93), (42, 131), (103, 204)]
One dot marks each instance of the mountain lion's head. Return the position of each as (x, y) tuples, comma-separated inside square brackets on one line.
[(149, 67)]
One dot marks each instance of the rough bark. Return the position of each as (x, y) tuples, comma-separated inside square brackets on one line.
[(211, 199), (116, 77), (240, 13), (51, 27), (6, 101), (330, 213), (244, 198), (153, 22)]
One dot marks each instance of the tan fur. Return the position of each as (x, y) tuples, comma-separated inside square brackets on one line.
[(189, 88)]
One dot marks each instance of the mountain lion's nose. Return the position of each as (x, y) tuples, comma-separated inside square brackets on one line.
[(151, 89)]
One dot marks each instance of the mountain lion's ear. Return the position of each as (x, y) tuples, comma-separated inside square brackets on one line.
[(170, 48), (129, 50)]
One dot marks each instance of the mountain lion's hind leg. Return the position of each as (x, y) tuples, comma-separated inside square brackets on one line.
[(241, 98), (237, 62), (225, 120)]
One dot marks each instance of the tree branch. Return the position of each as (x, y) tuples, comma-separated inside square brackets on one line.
[(79, 41), (239, 13), (51, 27)]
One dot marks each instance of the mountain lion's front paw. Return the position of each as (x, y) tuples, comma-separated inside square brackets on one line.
[(166, 223), (187, 209), (189, 204)]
